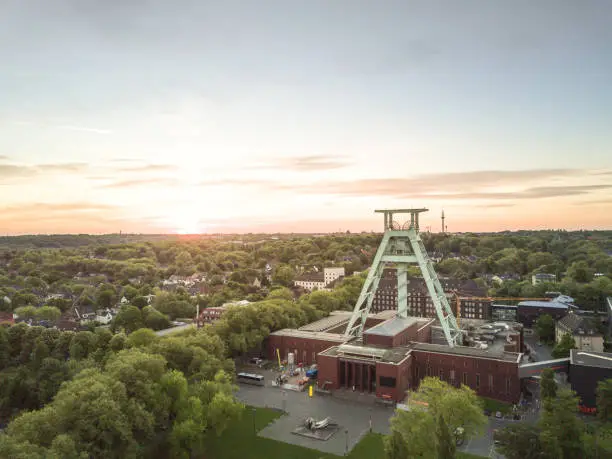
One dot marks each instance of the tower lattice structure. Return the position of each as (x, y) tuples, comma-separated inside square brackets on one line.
[(401, 247)]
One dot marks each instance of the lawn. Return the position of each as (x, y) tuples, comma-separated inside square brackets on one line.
[(240, 442)]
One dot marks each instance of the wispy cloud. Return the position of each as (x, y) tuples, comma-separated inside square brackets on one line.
[(27, 170), (43, 210), (307, 163), (83, 129), (149, 168), (160, 181)]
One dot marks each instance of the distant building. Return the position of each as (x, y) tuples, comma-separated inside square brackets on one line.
[(541, 278), (585, 371), (419, 300), (529, 311), (583, 330), (318, 280), (210, 315)]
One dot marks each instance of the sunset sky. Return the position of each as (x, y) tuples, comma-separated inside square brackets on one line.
[(238, 116)]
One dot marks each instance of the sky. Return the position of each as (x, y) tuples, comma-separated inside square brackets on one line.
[(304, 116)]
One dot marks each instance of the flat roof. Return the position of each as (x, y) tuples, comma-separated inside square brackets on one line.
[(543, 304), (468, 351), (326, 323), (392, 326), (293, 333), (591, 359), (357, 351)]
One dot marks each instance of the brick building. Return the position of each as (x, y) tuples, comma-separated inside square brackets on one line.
[(393, 356), (419, 300)]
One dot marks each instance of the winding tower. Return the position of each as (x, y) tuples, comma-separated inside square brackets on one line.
[(401, 247)]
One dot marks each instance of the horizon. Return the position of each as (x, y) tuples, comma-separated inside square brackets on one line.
[(236, 118)]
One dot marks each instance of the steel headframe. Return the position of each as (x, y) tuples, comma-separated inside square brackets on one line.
[(401, 247)]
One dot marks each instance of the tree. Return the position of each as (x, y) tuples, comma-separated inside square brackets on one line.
[(580, 271), (49, 313), (428, 429), (519, 441), (561, 430), (548, 385), (130, 318), (283, 275), (545, 327), (563, 347), (141, 337), (26, 312), (604, 400)]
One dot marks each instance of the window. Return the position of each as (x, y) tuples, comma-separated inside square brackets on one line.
[(508, 386), (428, 370), (465, 379), (314, 357), (417, 372), (452, 375), (477, 381), (441, 374), (386, 381), (490, 382)]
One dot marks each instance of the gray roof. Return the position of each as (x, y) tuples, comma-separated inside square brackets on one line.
[(467, 351), (577, 324), (543, 304), (392, 326), (326, 323), (362, 352), (290, 332), (591, 359)]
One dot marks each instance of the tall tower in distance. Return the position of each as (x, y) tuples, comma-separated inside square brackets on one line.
[(443, 227)]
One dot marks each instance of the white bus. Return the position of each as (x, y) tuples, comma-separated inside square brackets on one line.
[(249, 378)]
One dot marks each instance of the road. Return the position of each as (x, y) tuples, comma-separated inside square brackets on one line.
[(170, 331), (540, 353)]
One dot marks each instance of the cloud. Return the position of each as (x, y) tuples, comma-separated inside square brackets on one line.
[(16, 170), (48, 210), (165, 181), (307, 163), (149, 168), (494, 206), (83, 129)]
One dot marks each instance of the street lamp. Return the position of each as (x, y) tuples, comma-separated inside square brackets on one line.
[(346, 447)]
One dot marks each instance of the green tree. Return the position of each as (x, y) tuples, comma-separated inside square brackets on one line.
[(519, 441), (563, 347), (604, 400), (48, 313), (26, 312), (561, 429), (141, 337), (428, 429), (545, 328), (129, 318), (548, 385), (580, 271), (283, 275)]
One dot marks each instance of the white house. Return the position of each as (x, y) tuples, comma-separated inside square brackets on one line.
[(319, 281)]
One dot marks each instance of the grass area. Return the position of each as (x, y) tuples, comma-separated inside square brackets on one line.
[(495, 405), (240, 442)]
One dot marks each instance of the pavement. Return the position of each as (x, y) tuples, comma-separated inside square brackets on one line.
[(353, 416), (540, 353)]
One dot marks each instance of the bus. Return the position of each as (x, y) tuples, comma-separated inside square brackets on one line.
[(249, 378)]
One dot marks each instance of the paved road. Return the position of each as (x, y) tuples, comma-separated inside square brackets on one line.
[(169, 331), (542, 352)]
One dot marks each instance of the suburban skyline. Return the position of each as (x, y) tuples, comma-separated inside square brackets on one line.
[(195, 117)]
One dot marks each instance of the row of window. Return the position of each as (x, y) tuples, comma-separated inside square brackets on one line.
[(464, 380)]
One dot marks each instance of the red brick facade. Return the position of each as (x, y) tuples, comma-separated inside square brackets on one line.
[(489, 378), (306, 350)]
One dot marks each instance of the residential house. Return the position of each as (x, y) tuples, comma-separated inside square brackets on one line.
[(583, 330), (540, 278), (318, 280)]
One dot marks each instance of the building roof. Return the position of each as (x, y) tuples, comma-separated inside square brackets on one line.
[(311, 277), (392, 326), (290, 332), (591, 359), (578, 325), (362, 352), (543, 304), (332, 321), (468, 351)]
